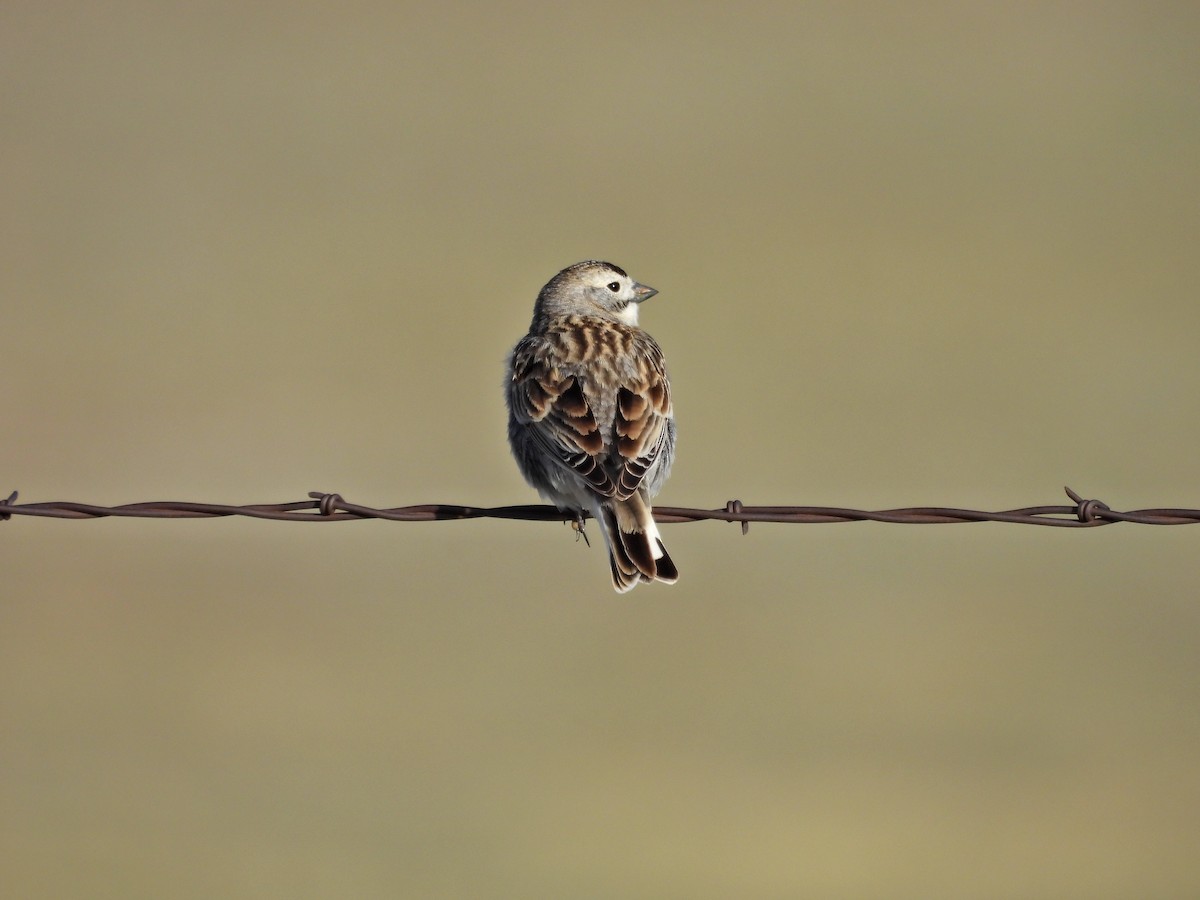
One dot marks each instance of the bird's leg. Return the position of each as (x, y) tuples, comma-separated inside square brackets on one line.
[(577, 525)]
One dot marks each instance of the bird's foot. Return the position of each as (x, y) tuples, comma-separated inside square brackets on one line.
[(577, 525)]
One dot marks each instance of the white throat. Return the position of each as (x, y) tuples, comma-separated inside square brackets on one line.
[(629, 314)]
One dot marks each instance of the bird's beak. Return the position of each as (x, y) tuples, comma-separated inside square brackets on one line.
[(643, 292)]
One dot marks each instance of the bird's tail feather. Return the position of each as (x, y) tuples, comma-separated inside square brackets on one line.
[(635, 548)]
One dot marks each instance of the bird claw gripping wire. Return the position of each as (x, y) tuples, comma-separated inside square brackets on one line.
[(577, 524), (12, 498)]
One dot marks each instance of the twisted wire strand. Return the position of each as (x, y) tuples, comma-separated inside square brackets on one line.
[(331, 507)]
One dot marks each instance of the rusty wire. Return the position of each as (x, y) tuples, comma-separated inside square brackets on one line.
[(323, 507)]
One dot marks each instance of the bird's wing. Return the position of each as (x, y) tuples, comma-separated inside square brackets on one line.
[(552, 405)]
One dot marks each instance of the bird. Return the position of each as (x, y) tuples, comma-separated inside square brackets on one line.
[(590, 419)]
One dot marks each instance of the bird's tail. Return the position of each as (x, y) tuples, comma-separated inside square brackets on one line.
[(635, 548)]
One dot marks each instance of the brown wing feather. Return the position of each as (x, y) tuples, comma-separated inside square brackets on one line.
[(554, 407), (641, 415)]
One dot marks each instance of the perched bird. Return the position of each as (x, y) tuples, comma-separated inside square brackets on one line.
[(589, 413)]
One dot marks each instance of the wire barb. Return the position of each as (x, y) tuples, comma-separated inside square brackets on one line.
[(331, 507), (733, 507), (327, 504), (1088, 510)]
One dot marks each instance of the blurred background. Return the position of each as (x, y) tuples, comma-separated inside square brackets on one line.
[(908, 254)]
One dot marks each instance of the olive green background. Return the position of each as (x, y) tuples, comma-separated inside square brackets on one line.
[(908, 254)]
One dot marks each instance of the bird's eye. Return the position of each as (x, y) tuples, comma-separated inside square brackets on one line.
[(614, 286)]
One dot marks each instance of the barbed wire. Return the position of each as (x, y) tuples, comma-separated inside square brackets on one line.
[(328, 507)]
